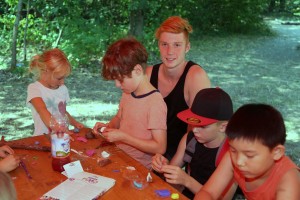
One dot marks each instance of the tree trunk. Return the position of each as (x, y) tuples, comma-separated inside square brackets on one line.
[(282, 5), (272, 5), (59, 37), (15, 36), (25, 32), (137, 21)]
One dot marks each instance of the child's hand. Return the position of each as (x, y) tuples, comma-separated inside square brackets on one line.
[(174, 174), (158, 161), (97, 126), (9, 163), (78, 125), (5, 151), (114, 135)]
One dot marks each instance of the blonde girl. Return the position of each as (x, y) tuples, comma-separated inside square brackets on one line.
[(48, 95)]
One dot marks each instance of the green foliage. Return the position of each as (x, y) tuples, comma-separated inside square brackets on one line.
[(294, 7), (229, 16), (84, 28)]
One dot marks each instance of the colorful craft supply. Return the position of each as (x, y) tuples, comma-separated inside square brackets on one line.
[(76, 130), (163, 193), (22, 164), (175, 196), (137, 184), (90, 152), (81, 139), (104, 154)]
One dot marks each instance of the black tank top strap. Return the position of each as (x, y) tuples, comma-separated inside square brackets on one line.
[(154, 75), (188, 66), (183, 75)]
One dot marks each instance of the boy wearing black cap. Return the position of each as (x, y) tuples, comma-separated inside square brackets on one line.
[(198, 149)]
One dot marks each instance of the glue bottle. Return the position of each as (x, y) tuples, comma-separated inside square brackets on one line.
[(60, 142)]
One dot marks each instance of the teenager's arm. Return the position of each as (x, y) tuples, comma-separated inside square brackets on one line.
[(289, 185), (218, 181), (196, 80)]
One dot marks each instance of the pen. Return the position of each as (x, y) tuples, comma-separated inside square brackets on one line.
[(22, 164)]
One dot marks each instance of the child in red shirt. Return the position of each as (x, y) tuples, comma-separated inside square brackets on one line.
[(256, 160)]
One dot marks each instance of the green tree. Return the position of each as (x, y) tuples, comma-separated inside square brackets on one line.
[(84, 28), (15, 36)]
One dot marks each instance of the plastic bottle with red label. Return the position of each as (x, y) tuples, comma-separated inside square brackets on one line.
[(60, 142)]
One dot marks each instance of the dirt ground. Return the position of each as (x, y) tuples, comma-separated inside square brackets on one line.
[(262, 69)]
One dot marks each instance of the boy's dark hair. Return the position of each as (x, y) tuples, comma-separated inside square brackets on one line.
[(121, 57), (257, 122)]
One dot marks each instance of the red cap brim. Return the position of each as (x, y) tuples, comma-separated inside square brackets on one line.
[(195, 120)]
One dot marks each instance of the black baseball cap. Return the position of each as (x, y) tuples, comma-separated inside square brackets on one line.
[(209, 106)]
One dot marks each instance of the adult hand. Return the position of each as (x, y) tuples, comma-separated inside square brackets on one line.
[(158, 161), (174, 174), (5, 151), (9, 163)]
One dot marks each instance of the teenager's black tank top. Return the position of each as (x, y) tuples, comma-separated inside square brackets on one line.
[(175, 103)]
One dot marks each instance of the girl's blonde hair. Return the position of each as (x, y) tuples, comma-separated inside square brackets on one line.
[(53, 60), (7, 188)]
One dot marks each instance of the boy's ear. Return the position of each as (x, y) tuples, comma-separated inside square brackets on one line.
[(188, 47), (278, 152), (223, 126), (139, 69)]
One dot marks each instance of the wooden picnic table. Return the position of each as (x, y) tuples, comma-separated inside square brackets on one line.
[(44, 178)]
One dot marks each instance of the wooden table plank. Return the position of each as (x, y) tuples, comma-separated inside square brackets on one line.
[(44, 178)]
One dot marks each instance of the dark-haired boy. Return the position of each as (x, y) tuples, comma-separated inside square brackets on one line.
[(256, 160)]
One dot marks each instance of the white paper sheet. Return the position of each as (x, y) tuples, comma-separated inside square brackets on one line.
[(80, 186)]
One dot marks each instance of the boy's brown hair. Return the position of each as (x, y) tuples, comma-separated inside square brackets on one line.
[(121, 57)]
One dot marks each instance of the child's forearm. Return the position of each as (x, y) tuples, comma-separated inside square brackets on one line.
[(193, 185), (157, 144), (114, 123), (202, 194), (73, 121)]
